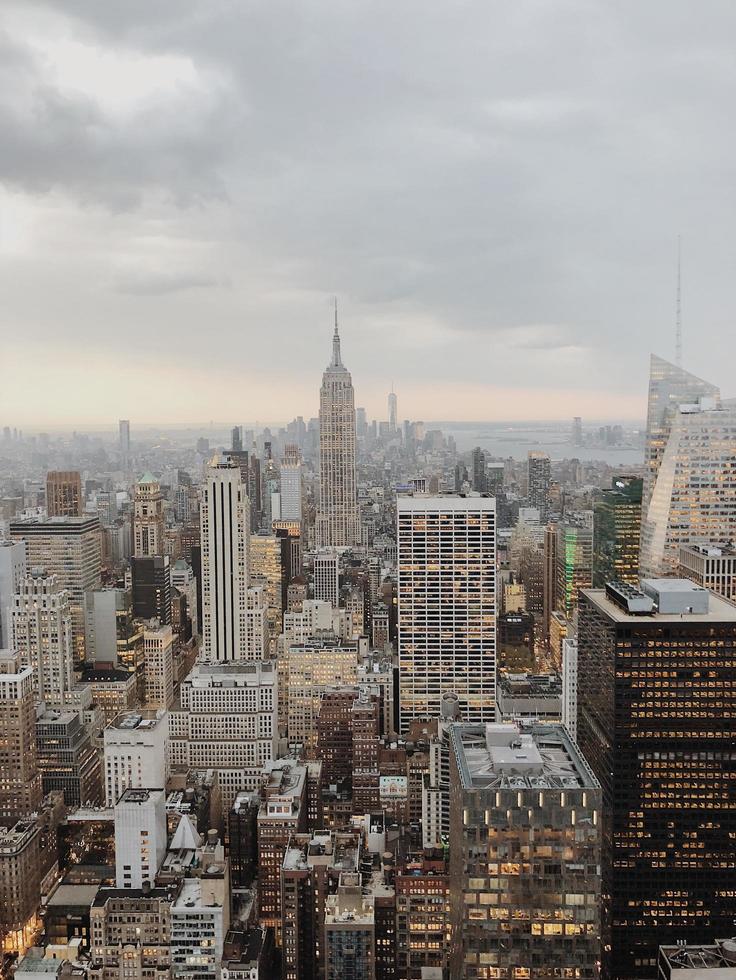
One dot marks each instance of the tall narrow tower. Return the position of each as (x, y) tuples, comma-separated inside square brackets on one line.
[(392, 410), (225, 535), (148, 519), (338, 522)]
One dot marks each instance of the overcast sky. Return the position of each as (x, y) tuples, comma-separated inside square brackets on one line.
[(493, 190)]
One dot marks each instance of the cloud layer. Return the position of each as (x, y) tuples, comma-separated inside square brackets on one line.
[(493, 190)]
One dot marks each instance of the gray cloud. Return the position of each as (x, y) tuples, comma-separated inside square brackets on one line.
[(456, 172)]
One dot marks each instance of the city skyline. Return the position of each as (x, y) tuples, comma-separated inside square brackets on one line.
[(526, 208)]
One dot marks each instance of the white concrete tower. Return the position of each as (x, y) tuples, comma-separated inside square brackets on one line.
[(338, 520), (225, 537)]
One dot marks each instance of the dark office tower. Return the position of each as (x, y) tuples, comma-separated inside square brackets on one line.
[(656, 709), (64, 493), (254, 489), (550, 576), (616, 532), (242, 830), (196, 563), (240, 458), (237, 439), (538, 482), (461, 476), (574, 558), (479, 470), (152, 588)]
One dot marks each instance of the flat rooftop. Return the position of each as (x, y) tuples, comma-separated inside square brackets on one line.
[(137, 721), (720, 610), (523, 756)]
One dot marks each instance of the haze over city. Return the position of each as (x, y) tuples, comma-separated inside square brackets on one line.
[(494, 192)]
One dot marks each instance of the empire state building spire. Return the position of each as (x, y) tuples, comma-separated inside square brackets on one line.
[(338, 520), (336, 360)]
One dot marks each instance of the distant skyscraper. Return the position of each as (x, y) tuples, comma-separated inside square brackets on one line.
[(392, 411), (446, 548), (236, 443), (63, 493), (151, 588), (225, 536), (577, 431), (124, 441), (538, 480), (148, 520), (616, 532), (690, 479), (291, 484), (338, 520), (656, 703), (479, 470)]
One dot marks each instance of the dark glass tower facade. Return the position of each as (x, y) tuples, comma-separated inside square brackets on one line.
[(616, 532), (656, 722)]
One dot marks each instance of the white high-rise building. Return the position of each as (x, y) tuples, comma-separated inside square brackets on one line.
[(41, 630), (136, 750), (256, 645), (338, 519), (225, 540), (327, 577), (291, 485), (690, 481), (12, 573), (227, 721), (314, 617), (446, 605), (158, 665), (570, 686), (140, 836), (148, 518)]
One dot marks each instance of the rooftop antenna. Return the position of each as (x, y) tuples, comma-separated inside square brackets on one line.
[(678, 324)]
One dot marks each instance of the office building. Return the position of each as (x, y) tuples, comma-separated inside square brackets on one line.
[(314, 666), (20, 777), (538, 481), (338, 517), (549, 578), (524, 853), (69, 549), (148, 518), (687, 495), (151, 588), (20, 884), (225, 535), (574, 556), (712, 566), (256, 622), (656, 702), (350, 931), (64, 494), (570, 686), (113, 691), (291, 484), (124, 442), (41, 629), (479, 470), (130, 932), (226, 720), (136, 752), (617, 532), (242, 835), (327, 577), (423, 915), (114, 638), (236, 439), (446, 604), (68, 760), (140, 836), (158, 665), (310, 872), (267, 569), (282, 814), (12, 573)]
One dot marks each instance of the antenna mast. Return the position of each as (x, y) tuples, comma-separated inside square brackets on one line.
[(678, 322)]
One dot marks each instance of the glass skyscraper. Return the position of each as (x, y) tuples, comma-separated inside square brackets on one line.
[(616, 532)]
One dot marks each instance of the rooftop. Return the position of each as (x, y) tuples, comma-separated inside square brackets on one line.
[(519, 756), (144, 720), (719, 610)]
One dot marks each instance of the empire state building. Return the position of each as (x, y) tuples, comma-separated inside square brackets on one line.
[(338, 522)]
